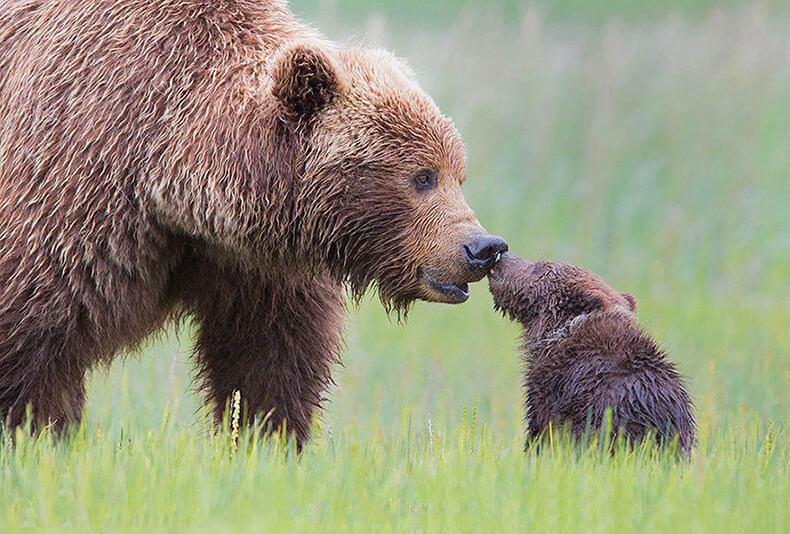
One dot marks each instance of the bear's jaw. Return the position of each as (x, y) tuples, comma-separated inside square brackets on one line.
[(444, 292)]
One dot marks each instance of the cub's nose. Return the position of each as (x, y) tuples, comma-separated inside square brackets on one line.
[(483, 252)]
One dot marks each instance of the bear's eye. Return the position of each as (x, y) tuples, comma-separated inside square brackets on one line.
[(425, 179)]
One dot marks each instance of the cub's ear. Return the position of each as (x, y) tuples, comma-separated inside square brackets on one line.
[(304, 79), (631, 300)]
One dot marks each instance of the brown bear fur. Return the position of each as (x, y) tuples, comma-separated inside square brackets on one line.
[(585, 353), (215, 158)]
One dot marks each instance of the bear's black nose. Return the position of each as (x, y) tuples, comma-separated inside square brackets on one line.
[(482, 252)]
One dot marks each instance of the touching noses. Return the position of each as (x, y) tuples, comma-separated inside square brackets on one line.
[(483, 252)]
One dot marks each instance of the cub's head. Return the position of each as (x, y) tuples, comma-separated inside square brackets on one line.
[(380, 192), (544, 296)]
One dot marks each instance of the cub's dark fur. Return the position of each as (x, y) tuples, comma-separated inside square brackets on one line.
[(586, 352)]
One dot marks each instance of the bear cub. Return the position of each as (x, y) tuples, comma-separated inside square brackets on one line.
[(585, 352)]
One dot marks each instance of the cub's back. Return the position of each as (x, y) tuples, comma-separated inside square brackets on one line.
[(607, 361)]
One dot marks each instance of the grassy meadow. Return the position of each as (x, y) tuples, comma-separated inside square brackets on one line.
[(651, 147)]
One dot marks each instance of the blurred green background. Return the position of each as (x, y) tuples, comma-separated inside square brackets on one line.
[(410, 13), (649, 142)]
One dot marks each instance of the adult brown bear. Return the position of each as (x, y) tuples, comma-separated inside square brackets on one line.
[(219, 158)]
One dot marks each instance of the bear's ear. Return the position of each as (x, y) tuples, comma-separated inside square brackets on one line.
[(304, 80), (631, 300)]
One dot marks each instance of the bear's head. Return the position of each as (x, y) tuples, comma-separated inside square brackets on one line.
[(545, 296), (380, 186)]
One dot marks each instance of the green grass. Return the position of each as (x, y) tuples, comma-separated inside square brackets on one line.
[(655, 152), (467, 479)]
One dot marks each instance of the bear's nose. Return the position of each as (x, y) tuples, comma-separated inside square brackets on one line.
[(483, 252)]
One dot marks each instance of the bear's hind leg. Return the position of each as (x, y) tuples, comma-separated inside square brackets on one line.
[(274, 341), (39, 375)]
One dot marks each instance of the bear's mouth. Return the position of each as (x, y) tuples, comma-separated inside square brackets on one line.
[(448, 293)]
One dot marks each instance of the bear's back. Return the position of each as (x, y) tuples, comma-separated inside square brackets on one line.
[(102, 102)]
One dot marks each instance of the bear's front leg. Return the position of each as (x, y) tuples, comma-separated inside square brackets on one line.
[(275, 341)]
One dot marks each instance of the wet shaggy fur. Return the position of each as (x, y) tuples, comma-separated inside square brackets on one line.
[(214, 158), (585, 353)]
